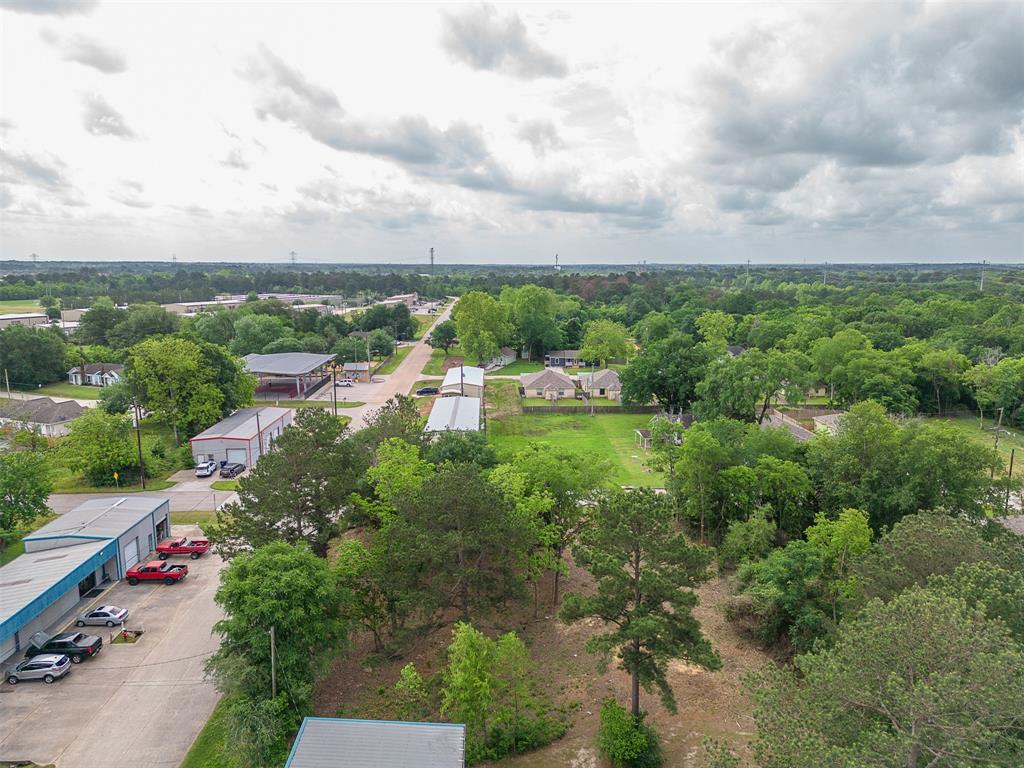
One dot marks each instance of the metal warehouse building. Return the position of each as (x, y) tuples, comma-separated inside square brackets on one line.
[(243, 436), (65, 559), (331, 742), (454, 414)]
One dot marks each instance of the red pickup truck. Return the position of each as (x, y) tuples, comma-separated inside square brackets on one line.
[(183, 546), (156, 570)]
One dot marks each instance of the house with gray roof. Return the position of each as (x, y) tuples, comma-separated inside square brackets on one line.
[(41, 414), (334, 742), (603, 383), (551, 384), (96, 374)]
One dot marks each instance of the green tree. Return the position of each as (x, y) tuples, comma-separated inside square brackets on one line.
[(531, 312), (1000, 385), (744, 387), (829, 353), (215, 327), (141, 322), (714, 328), (96, 324), (31, 357), (1000, 591), (176, 383), (462, 448), (381, 342), (840, 541), (667, 371), (350, 350), (921, 680), (872, 374), (645, 573), (297, 492), (604, 340), (480, 324), (99, 444), (253, 333), (654, 326), (747, 540), (399, 471), (943, 370), (443, 336), (25, 487)]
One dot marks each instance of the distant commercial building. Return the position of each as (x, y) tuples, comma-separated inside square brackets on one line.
[(409, 299), (288, 375), (243, 436), (28, 319), (463, 380), (357, 371), (93, 544), (41, 414), (331, 742), (454, 414), (197, 307)]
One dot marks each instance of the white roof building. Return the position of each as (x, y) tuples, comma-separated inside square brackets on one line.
[(454, 414), (463, 380), (331, 742)]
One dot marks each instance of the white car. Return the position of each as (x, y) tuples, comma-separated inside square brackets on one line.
[(206, 468), (104, 615), (343, 383)]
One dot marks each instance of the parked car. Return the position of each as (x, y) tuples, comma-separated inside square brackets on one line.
[(156, 570), (76, 645), (183, 546), (232, 470), (427, 391), (206, 468), (46, 667), (343, 383), (104, 615)]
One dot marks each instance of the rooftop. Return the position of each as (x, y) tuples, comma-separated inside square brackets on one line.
[(454, 414), (606, 378), (30, 575), (286, 363), (91, 368), (328, 742), (241, 425), (549, 377), (472, 375), (41, 410), (23, 316), (101, 518)]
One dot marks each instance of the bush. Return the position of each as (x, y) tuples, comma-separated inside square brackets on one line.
[(747, 540), (627, 741)]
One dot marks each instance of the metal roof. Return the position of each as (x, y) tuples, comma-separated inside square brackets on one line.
[(30, 576), (241, 425), (286, 363), (22, 316), (105, 518), (327, 742), (458, 414), (472, 375)]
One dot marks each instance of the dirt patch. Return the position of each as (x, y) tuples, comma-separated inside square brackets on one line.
[(710, 703), (453, 361)]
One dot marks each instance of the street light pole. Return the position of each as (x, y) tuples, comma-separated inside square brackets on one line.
[(334, 387), (138, 440)]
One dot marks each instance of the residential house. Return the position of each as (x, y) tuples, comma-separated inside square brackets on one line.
[(96, 374), (505, 356), (551, 384), (331, 742), (463, 380), (243, 436), (41, 414), (735, 350), (564, 358), (604, 383), (454, 414), (357, 371)]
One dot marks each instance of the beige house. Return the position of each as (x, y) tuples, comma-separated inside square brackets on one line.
[(601, 384), (41, 414), (551, 384)]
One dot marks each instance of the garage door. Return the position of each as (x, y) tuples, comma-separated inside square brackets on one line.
[(131, 553), (237, 456)]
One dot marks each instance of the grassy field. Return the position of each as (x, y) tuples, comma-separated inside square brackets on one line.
[(502, 399), (434, 366), (518, 367), (69, 390), (423, 322), (202, 517), (19, 306), (394, 361), (971, 428), (211, 748), (605, 437)]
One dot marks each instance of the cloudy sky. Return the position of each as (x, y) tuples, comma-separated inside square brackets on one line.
[(714, 132)]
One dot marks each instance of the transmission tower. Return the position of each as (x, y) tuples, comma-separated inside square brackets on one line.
[(292, 255), (557, 267), (431, 261), (35, 258)]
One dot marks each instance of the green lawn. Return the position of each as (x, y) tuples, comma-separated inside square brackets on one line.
[(69, 390), (970, 427), (19, 306), (342, 391), (394, 361), (211, 748), (437, 358), (518, 367), (224, 485), (15, 545), (606, 436), (501, 399), (423, 322), (202, 517), (424, 383)]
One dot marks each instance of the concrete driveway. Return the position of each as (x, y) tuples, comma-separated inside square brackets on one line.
[(141, 704)]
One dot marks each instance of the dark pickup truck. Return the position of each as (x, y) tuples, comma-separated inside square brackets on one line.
[(194, 548), (156, 570), (75, 645)]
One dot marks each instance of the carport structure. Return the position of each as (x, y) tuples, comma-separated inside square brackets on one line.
[(288, 375)]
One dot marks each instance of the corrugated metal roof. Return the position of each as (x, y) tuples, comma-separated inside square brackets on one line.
[(106, 517), (471, 374), (286, 363), (28, 576), (241, 425), (326, 742), (458, 414)]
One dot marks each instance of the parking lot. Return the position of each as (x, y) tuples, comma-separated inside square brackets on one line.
[(133, 704)]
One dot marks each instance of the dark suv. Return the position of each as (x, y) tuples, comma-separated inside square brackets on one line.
[(76, 645), (232, 470)]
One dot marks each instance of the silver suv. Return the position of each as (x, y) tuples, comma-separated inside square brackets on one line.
[(46, 667)]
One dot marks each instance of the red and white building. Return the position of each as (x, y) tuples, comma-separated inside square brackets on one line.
[(243, 436)]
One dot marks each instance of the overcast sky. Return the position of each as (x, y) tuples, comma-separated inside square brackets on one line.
[(705, 133)]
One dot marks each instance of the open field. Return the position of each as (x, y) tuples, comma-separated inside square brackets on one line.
[(394, 361), (518, 367), (439, 363), (608, 437), (19, 306), (200, 517)]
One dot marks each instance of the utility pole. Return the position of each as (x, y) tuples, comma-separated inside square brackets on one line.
[(1009, 482), (557, 268), (292, 255), (981, 283), (748, 269), (35, 258), (273, 665), (8, 382), (431, 261), (824, 274), (138, 441)]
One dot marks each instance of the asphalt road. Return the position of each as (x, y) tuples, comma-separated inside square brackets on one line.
[(141, 704), (187, 494)]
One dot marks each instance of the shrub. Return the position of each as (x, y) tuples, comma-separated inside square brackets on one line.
[(627, 741), (747, 540)]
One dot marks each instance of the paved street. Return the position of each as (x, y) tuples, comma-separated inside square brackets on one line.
[(384, 388), (188, 493), (141, 704)]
